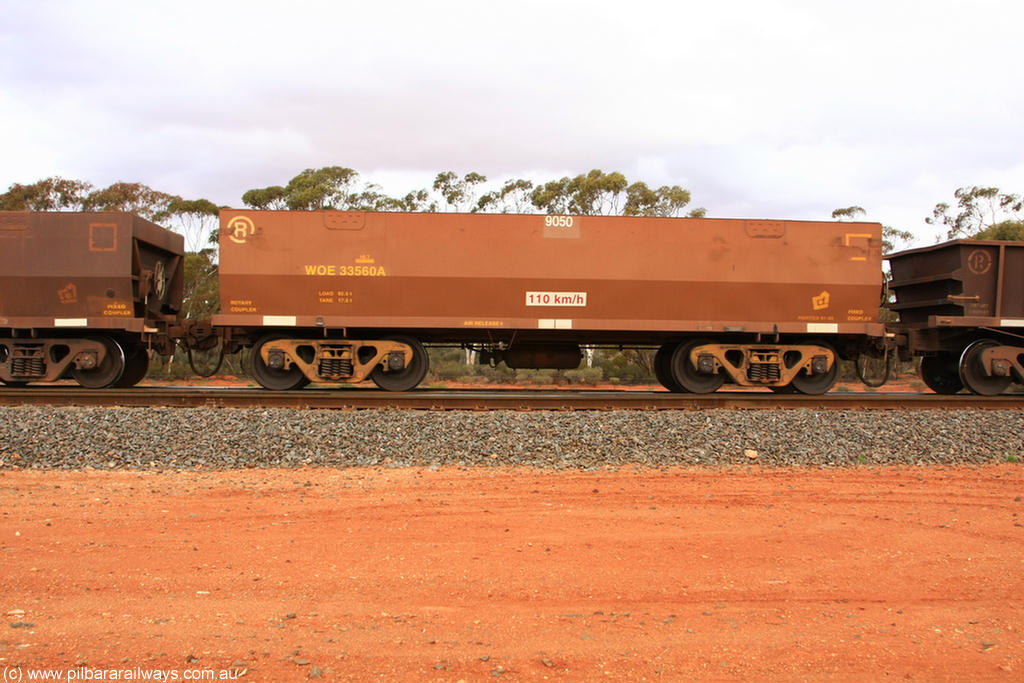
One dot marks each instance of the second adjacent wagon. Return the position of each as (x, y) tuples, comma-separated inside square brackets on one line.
[(961, 309)]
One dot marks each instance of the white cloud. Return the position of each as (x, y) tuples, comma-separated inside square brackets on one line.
[(787, 108)]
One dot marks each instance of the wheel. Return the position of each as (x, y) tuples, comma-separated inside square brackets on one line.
[(408, 377), (272, 378), (687, 376), (942, 373), (663, 368), (817, 384), (135, 368), (108, 372), (972, 373)]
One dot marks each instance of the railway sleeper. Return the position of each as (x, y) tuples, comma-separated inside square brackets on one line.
[(764, 365), (336, 361), (47, 360)]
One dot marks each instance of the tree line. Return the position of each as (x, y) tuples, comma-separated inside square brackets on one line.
[(588, 194)]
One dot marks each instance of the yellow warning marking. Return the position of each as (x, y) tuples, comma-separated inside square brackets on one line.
[(857, 235)]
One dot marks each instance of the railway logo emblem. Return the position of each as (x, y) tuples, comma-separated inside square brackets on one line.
[(820, 302), (979, 261), (69, 294), (240, 228)]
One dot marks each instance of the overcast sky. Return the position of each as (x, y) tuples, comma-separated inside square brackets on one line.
[(784, 109)]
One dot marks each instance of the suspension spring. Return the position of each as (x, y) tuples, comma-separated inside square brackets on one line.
[(27, 366), (763, 372), (335, 367)]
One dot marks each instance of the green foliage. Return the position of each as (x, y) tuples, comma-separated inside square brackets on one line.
[(893, 237), (584, 375), (458, 193), (370, 198), (323, 188), (977, 208), (666, 201), (266, 198), (49, 194), (628, 366), (1007, 230), (849, 213), (415, 201), (131, 197), (552, 197), (512, 197), (592, 194), (196, 219), (330, 187), (60, 194), (334, 188), (600, 193), (201, 289), (597, 193)]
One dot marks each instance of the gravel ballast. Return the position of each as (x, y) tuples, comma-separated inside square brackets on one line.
[(223, 438)]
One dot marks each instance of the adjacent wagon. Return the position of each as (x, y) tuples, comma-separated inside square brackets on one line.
[(85, 295), (961, 308)]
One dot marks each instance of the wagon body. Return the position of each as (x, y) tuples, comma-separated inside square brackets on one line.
[(86, 294), (92, 270), (961, 307), (963, 283), (594, 278)]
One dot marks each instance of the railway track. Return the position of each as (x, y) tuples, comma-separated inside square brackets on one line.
[(464, 399)]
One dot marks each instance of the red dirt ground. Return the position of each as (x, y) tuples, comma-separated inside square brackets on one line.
[(516, 574)]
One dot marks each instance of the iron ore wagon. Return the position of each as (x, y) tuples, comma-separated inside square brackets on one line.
[(961, 307), (333, 296), (85, 295)]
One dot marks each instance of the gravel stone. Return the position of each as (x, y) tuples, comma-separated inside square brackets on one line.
[(43, 437)]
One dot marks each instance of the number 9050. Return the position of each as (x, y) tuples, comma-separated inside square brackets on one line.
[(558, 221)]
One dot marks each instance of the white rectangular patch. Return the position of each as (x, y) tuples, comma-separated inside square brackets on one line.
[(281, 320), (71, 322), (1010, 322), (556, 299), (823, 328), (554, 324)]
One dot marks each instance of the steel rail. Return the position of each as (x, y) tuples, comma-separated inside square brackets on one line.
[(507, 399)]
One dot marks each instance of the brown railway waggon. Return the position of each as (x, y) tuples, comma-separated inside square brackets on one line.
[(332, 296), (85, 295), (961, 308)]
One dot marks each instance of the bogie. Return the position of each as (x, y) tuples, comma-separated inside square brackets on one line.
[(281, 363)]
